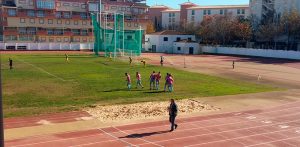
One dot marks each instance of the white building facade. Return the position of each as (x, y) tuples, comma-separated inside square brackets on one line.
[(170, 19), (186, 47), (197, 14), (162, 42)]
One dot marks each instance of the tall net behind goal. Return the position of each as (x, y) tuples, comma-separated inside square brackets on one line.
[(112, 39)]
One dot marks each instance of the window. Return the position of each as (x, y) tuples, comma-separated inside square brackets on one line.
[(128, 24), (193, 18), (40, 14), (30, 13), (84, 22), (67, 15), (113, 7), (84, 32), (22, 1), (83, 6), (41, 21), (58, 14), (43, 39), (193, 12), (189, 39), (83, 15), (204, 12), (208, 12), (66, 4), (30, 2), (75, 22), (50, 32), (67, 22), (76, 31), (243, 11), (166, 38), (221, 11), (45, 4), (66, 39), (59, 22), (178, 48), (58, 39), (136, 24), (32, 20), (22, 20), (22, 30), (51, 39), (238, 11), (178, 39), (129, 37), (50, 21), (11, 12), (170, 14)]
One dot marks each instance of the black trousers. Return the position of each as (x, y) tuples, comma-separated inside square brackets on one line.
[(172, 121)]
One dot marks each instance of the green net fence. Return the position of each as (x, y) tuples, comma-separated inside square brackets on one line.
[(114, 40)]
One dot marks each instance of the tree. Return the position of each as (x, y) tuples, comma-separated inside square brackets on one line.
[(290, 22), (150, 28), (242, 30), (269, 32)]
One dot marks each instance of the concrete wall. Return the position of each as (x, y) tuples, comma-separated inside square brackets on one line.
[(50, 46), (252, 52), (161, 45)]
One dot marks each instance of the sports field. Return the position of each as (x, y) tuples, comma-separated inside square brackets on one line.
[(45, 83)]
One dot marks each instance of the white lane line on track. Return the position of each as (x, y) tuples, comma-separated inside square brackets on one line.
[(237, 130), (274, 141), (117, 138), (199, 121), (139, 138)]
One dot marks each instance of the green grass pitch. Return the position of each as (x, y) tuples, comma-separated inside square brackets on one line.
[(45, 83)]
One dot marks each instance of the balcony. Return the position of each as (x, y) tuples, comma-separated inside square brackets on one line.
[(42, 32), (76, 17), (10, 32), (68, 33)]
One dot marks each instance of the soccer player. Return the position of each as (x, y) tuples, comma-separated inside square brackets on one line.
[(67, 57), (152, 80), (128, 81), (157, 80), (166, 82), (173, 109), (144, 63), (139, 80), (170, 81), (161, 60), (10, 63), (130, 61)]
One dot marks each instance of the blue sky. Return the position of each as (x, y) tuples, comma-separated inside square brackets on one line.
[(175, 3)]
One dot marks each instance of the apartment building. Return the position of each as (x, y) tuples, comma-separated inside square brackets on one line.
[(265, 10), (63, 21), (156, 15), (190, 13), (195, 15)]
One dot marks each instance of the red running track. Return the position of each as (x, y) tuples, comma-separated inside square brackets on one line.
[(20, 122), (275, 126)]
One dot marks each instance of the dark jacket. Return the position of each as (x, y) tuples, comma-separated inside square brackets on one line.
[(173, 109)]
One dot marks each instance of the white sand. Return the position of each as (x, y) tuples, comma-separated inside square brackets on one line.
[(146, 110)]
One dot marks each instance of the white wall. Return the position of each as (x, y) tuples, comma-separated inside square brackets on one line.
[(252, 52), (165, 19), (161, 45), (198, 16), (185, 47), (50, 46)]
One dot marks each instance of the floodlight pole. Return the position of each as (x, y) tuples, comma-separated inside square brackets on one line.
[(115, 24), (1, 108), (123, 34)]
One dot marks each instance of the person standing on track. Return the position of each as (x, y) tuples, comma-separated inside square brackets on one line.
[(173, 109), (128, 81), (144, 63), (233, 64), (10, 63), (152, 81), (157, 80), (139, 80)]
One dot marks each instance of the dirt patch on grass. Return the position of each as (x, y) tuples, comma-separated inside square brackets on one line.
[(145, 110)]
